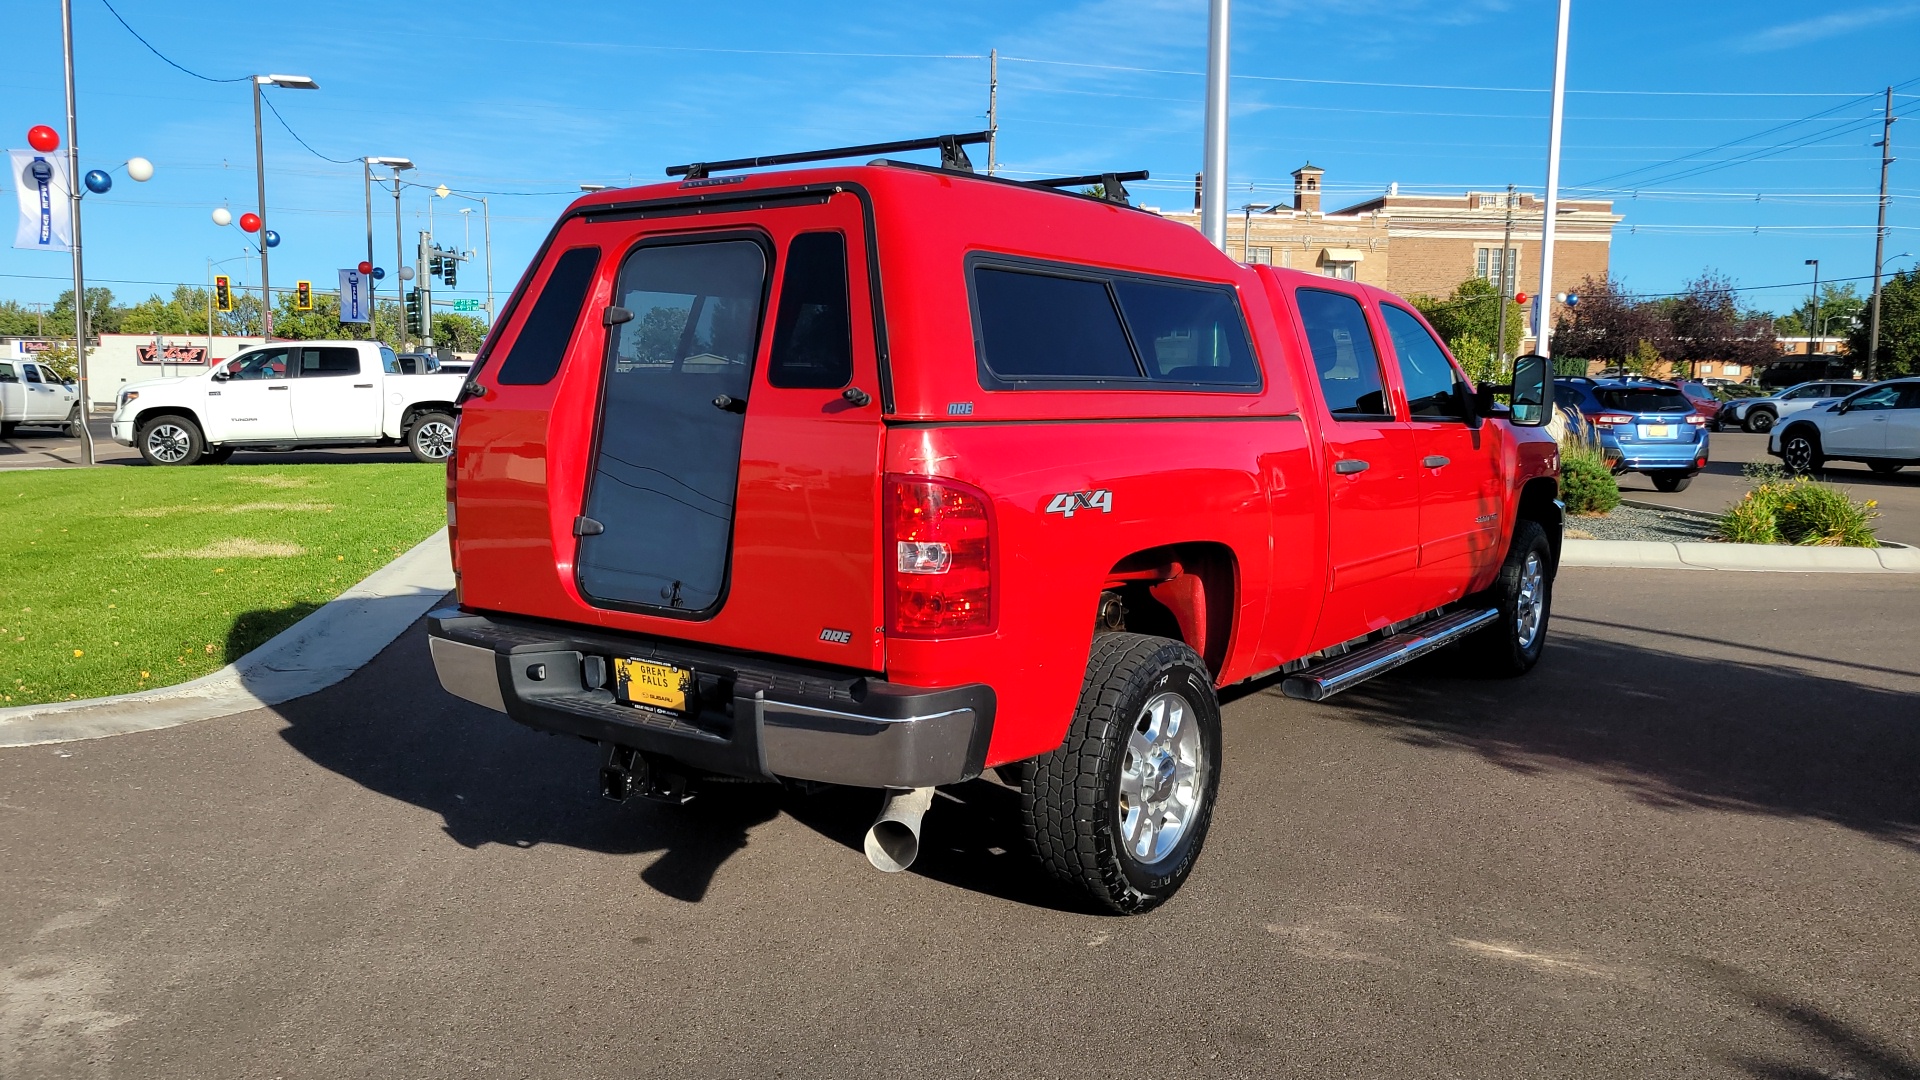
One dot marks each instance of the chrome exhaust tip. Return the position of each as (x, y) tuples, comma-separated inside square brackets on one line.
[(894, 840)]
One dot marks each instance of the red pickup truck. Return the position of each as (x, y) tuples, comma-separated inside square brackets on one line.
[(889, 474)]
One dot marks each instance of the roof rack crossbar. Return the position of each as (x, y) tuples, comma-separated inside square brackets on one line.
[(1112, 185), (953, 155)]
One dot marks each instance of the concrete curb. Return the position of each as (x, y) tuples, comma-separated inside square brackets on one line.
[(312, 654), (1774, 558)]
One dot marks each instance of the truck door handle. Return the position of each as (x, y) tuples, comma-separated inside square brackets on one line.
[(1350, 466), (1435, 461), (276, 388), (363, 386)]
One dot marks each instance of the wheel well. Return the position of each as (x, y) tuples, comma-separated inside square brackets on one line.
[(415, 410), (1802, 426), (1538, 503), (145, 416), (1181, 591)]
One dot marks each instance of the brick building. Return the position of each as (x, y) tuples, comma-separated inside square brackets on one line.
[(1421, 245)]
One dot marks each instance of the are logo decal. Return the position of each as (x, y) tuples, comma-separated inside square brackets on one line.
[(836, 637), (1068, 503)]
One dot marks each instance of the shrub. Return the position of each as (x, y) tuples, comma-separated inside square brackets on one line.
[(1587, 485), (1800, 511)]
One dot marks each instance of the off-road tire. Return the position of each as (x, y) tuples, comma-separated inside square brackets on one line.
[(1502, 650), (1800, 450), (430, 437), (1071, 798), (1759, 421), (170, 440), (1671, 483)]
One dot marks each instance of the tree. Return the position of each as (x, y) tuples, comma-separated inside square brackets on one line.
[(1469, 319), (1840, 305), (1899, 328), (1705, 323), (1607, 325), (102, 316), (184, 313), (60, 359), (459, 332)]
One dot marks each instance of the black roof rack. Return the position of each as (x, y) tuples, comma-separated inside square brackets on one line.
[(1112, 185), (953, 155)]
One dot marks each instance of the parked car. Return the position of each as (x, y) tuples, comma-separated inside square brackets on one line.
[(1784, 373), (885, 475), (1649, 428), (1878, 427), (31, 393), (1760, 414), (1705, 401), (290, 396)]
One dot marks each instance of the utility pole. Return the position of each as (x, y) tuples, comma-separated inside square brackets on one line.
[(399, 263), (79, 278), (993, 114), (423, 281), (1213, 190), (1880, 240), (1543, 303), (1506, 283), (1813, 304)]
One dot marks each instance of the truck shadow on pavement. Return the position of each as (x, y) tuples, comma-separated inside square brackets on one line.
[(1678, 731), (392, 729)]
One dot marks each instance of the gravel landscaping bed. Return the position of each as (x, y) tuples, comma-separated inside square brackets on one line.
[(1641, 523)]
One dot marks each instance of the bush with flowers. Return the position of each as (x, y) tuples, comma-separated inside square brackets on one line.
[(1782, 509)]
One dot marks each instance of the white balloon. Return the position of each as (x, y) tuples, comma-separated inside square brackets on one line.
[(222, 216), (406, 273), (139, 169)]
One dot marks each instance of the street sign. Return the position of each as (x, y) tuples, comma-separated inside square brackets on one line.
[(466, 305), (355, 305)]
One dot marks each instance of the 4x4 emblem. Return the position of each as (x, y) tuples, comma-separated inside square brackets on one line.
[(1068, 502)]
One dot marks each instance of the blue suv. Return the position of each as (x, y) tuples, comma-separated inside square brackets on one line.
[(1641, 426)]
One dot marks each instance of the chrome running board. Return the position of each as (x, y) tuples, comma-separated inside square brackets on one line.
[(1323, 680)]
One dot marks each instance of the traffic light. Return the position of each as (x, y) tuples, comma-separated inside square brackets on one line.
[(303, 296), (414, 325), (451, 274), (222, 292), (435, 266)]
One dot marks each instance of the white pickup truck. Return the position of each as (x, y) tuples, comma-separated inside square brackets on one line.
[(30, 393), (290, 396)]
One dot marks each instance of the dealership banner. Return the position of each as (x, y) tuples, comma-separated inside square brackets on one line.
[(355, 305), (46, 211)]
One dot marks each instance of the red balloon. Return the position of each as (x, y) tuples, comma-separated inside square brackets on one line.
[(43, 138), (250, 222), (1519, 298), (366, 268)]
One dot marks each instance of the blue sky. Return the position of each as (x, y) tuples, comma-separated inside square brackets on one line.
[(538, 98)]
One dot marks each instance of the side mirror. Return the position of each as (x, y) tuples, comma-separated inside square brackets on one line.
[(1532, 390), (221, 375)]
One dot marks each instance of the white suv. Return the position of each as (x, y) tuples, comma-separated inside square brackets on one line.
[(1878, 427)]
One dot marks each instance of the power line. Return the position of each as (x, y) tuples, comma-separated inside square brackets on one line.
[(296, 135), (163, 56)]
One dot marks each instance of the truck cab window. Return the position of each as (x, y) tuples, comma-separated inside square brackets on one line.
[(264, 364), (1343, 355), (329, 360), (1431, 383), (32, 372)]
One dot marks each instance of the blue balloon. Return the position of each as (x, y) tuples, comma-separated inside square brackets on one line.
[(272, 238), (379, 274), (98, 182)]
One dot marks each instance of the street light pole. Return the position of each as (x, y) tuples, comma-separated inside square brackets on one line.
[(1543, 301), (399, 266), (1213, 185), (291, 82), (373, 290), (79, 277)]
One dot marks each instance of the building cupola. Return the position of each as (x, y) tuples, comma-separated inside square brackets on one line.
[(1306, 188)]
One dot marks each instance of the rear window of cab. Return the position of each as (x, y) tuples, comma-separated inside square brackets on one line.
[(1057, 326)]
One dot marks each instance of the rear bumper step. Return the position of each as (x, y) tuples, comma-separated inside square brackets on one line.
[(1321, 681)]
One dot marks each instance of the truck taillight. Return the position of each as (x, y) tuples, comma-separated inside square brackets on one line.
[(1612, 420), (939, 548)]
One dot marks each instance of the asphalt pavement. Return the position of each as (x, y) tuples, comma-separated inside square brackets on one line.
[(36, 447), (1722, 485), (1692, 850)]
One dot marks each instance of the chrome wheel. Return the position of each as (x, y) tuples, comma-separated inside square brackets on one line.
[(1798, 453), (435, 439), (1530, 602), (168, 443), (1161, 778)]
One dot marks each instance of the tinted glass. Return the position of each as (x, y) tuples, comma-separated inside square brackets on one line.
[(672, 415), (813, 335), (32, 372), (1643, 399), (317, 362), (1343, 353), (261, 364), (1039, 326), (1186, 334), (7, 375), (388, 360), (1803, 392), (1880, 397), (1429, 378), (542, 341)]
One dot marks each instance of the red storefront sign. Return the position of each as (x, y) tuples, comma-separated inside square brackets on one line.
[(171, 354)]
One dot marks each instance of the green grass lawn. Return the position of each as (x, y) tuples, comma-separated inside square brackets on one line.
[(126, 578)]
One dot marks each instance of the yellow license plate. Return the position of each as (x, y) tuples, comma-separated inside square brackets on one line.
[(643, 682), (1656, 431)]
